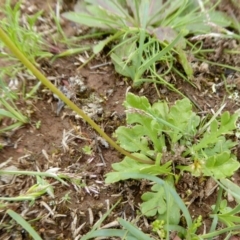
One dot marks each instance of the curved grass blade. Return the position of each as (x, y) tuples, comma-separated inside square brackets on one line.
[(178, 200), (112, 233), (133, 230), (24, 224), (217, 233), (98, 233)]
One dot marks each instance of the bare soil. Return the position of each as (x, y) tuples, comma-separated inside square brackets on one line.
[(59, 140)]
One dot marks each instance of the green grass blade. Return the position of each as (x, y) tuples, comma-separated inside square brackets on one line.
[(133, 230), (214, 224), (217, 233), (94, 232), (72, 51), (111, 233), (5, 113), (33, 90), (11, 127), (24, 224), (237, 69), (167, 84), (213, 118), (14, 111), (32, 173), (158, 56), (99, 47), (144, 13), (142, 36)]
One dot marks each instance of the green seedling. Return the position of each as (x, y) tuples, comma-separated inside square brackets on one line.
[(196, 224), (223, 208), (34, 192), (8, 109), (157, 226), (138, 26), (150, 126), (227, 215), (23, 33), (161, 204), (87, 150), (38, 124), (174, 135), (130, 231), (66, 198)]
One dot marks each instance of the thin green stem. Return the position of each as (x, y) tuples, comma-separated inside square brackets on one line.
[(4, 37)]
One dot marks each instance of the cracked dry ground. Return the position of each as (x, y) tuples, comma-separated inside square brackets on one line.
[(59, 141)]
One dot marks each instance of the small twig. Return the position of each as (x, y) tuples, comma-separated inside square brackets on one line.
[(194, 102), (209, 35), (100, 65), (99, 150)]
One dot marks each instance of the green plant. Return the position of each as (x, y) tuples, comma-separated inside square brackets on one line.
[(37, 190), (66, 198), (24, 35), (87, 149), (142, 29), (129, 231), (157, 226), (155, 203), (24, 224), (71, 43), (8, 109), (176, 135), (162, 134)]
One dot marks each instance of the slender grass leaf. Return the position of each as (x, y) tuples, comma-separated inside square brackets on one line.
[(95, 233), (123, 234), (73, 51), (144, 13), (11, 127), (99, 47), (133, 230), (5, 113), (14, 111), (157, 56), (24, 224), (219, 232)]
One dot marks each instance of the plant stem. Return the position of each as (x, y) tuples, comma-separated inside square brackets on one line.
[(4, 37)]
